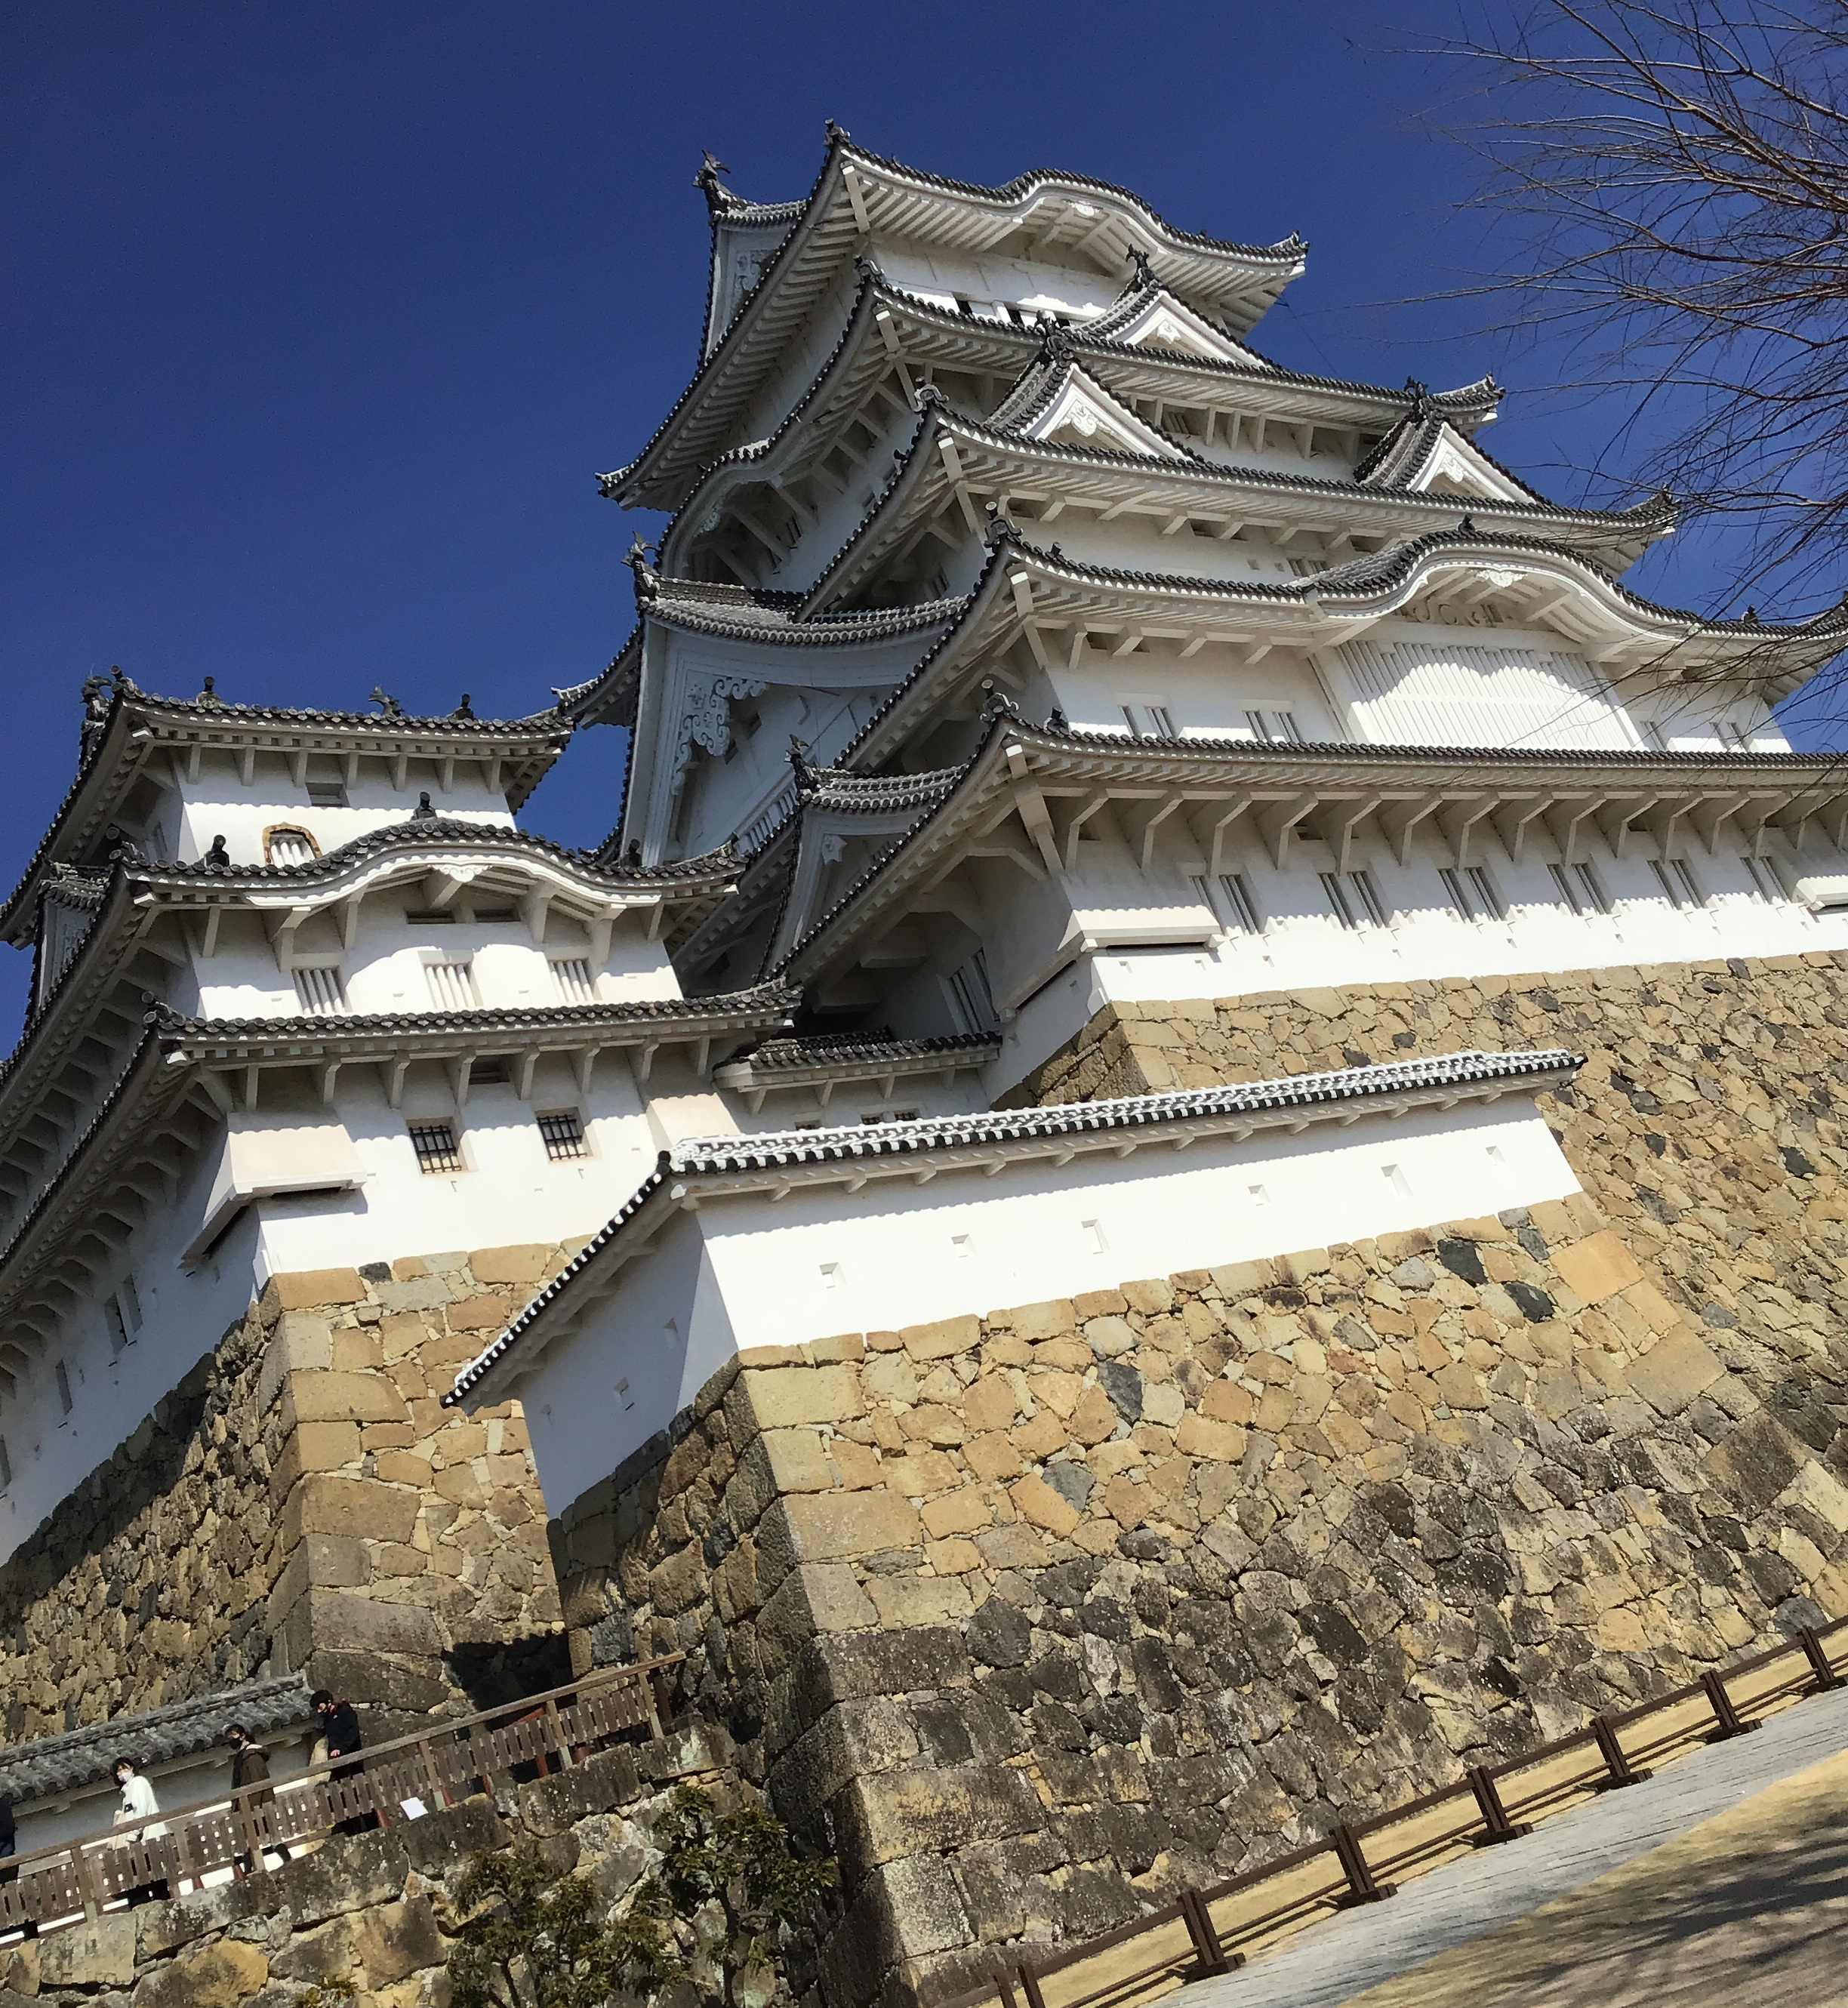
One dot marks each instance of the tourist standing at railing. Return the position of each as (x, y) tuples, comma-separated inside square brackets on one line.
[(249, 1766), (344, 1739), (9, 1842), (138, 1804)]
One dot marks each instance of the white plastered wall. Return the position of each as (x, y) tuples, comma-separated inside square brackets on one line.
[(748, 1271)]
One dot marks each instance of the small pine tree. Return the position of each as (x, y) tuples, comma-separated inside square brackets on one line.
[(715, 1914)]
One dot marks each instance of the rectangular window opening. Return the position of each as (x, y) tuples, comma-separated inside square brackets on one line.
[(1241, 903), (5, 1465), (1765, 879), (430, 917), (1677, 881), (62, 1375), (1092, 1231), (1353, 899), (118, 1330), (1398, 1180), (970, 997), (452, 986), (1580, 887), (571, 974), (131, 1302), (319, 993), (562, 1132), (496, 916), (434, 1143), (327, 795)]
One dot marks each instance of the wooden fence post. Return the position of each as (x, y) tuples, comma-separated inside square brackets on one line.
[(1622, 1772), (1496, 1826), (1361, 1888), (1727, 1718), (1209, 1954), (1817, 1654)]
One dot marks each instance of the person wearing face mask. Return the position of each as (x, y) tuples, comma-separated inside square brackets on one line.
[(138, 1805)]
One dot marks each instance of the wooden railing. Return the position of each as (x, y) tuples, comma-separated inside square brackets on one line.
[(452, 1760), (1212, 1930)]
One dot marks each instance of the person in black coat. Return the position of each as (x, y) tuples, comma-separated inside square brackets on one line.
[(340, 1726)]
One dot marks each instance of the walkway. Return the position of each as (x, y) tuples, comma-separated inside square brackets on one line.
[(1685, 1910)]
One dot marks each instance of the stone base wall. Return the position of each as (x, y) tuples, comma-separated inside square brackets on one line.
[(371, 1911), (1029, 1617), (303, 1501)]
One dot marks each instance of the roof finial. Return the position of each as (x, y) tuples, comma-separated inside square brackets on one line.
[(707, 181), (209, 694), (1056, 343), (633, 854), (1056, 720), (1145, 272), (999, 529), (868, 269), (217, 859), (1466, 528), (929, 395), (1751, 615), (423, 809), (835, 133), (807, 774), (465, 709), (385, 702)]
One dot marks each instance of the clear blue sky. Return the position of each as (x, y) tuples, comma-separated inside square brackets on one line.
[(318, 320)]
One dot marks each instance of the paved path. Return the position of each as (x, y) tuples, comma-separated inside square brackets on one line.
[(1335, 1961)]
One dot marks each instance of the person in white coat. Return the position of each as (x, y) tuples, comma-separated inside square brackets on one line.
[(138, 1804)]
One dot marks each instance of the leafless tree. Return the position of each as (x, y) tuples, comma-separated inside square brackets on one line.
[(1680, 168)]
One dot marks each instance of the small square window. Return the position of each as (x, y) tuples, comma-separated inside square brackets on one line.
[(434, 1143), (327, 795), (563, 1135)]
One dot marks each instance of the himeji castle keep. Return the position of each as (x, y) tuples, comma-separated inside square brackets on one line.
[(1180, 1164)]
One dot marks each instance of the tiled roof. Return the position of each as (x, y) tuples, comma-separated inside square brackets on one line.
[(419, 833), (822, 1049), (757, 616), (763, 1004), (1069, 1124), (50, 1765)]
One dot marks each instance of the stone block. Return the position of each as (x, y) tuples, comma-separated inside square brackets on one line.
[(219, 1975), (1672, 1372), (941, 1341), (369, 1625), (785, 1397), (314, 1446), (304, 1290), (833, 1526), (1598, 1267), (341, 1398), (960, 1512), (358, 1508), (524, 1262), (298, 1345), (991, 1404), (797, 1460), (906, 1600), (1757, 1462), (1655, 1310), (99, 1953), (1035, 1501), (488, 1312), (1824, 1495), (1034, 1322), (1201, 1435), (398, 1940)]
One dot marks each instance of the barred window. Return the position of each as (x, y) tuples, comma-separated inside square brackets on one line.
[(571, 973), (329, 794), (320, 994), (564, 1134), (285, 844), (434, 1143), (1472, 893), (61, 1373), (452, 985), (1353, 900), (1678, 881), (1578, 885), (1764, 875), (119, 1331)]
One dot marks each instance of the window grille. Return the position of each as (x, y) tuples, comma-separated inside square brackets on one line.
[(1677, 881), (452, 986), (1764, 876), (1149, 721), (487, 1073), (327, 795), (1580, 889), (1353, 899), (285, 845), (1731, 737), (889, 1116), (1234, 905), (434, 1143), (62, 1375), (563, 1135), (571, 973), (430, 917), (1653, 738), (320, 994), (112, 1317), (973, 1001), (1277, 728), (496, 917), (1472, 893)]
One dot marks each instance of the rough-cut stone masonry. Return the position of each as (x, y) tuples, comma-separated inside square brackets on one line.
[(371, 1911), (302, 1500), (1705, 1121), (1031, 1615)]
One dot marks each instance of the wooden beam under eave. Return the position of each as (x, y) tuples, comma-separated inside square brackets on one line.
[(1399, 821), (1276, 823)]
